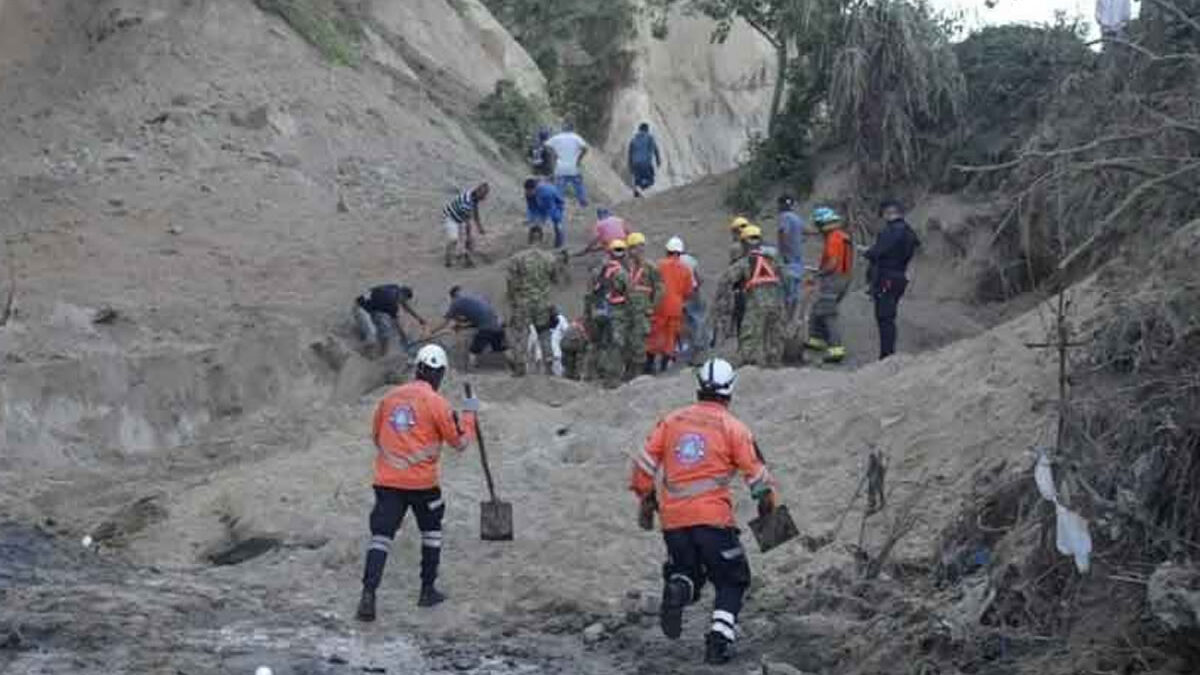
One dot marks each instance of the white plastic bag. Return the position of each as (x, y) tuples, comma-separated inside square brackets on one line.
[(1071, 529)]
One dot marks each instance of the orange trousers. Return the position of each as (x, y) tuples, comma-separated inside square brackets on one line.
[(664, 334)]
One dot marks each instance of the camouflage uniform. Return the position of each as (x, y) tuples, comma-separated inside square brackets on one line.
[(575, 351), (530, 274), (646, 291), (608, 322), (760, 339)]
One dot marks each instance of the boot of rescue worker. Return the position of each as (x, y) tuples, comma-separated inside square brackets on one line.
[(718, 649), (835, 354), (648, 366), (430, 596), (366, 605), (677, 593)]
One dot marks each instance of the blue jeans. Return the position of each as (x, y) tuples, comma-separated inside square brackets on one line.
[(793, 281), (560, 234), (576, 183)]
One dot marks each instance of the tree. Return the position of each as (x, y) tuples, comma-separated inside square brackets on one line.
[(784, 24)]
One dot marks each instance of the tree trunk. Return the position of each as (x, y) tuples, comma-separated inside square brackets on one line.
[(781, 67)]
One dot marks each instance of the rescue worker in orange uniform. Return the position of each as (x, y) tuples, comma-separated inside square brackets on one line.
[(833, 281), (678, 285), (686, 468), (411, 424)]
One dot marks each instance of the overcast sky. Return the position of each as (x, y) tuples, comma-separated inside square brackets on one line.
[(977, 13)]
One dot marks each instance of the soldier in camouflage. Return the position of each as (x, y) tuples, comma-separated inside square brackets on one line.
[(646, 289), (606, 309), (760, 338), (530, 276), (574, 347)]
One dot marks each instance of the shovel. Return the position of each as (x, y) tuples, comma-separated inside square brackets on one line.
[(775, 527), (495, 516)]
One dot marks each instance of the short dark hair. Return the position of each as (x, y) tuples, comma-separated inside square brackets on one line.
[(644, 126), (890, 203), (531, 183), (786, 201), (454, 290)]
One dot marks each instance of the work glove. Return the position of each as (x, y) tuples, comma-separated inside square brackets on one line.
[(646, 511), (765, 497), (471, 405)]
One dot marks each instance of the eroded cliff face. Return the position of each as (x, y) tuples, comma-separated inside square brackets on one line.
[(702, 100)]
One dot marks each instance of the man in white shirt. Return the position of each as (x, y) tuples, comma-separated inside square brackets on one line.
[(568, 150)]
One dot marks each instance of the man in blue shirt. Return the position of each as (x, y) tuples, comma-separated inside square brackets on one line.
[(472, 312), (893, 250), (544, 204), (643, 159), (791, 249)]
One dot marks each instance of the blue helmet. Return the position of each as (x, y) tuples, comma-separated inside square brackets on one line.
[(824, 214)]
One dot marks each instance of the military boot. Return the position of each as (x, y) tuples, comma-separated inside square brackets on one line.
[(718, 649), (366, 606), (430, 596)]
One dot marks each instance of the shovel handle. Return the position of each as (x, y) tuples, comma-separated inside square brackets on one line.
[(487, 471)]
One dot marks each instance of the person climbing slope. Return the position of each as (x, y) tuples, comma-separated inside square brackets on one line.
[(645, 290), (543, 205), (683, 473), (644, 159), (411, 424), (459, 215), (606, 309), (377, 315), (756, 275)]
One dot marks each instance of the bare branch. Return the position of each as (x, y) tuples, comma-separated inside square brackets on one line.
[(1183, 16)]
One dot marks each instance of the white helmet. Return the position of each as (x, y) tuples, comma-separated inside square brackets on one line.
[(432, 357), (674, 245), (716, 376)]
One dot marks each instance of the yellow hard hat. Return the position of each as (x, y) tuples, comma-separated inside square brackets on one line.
[(751, 232), (739, 222), (635, 239), (617, 245)]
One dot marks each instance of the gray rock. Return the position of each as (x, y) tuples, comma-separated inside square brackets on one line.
[(256, 118), (593, 633), (777, 668)]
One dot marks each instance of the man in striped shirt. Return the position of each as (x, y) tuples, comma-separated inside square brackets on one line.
[(458, 216)]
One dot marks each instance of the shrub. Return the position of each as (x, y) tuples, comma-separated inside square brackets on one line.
[(334, 27), (509, 116)]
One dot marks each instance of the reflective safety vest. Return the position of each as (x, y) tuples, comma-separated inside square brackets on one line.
[(690, 460), (763, 272), (611, 269), (638, 281), (411, 424)]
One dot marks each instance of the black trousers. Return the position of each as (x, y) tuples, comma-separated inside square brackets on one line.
[(888, 292), (709, 554), (390, 506)]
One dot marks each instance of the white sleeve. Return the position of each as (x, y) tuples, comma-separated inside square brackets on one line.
[(556, 336)]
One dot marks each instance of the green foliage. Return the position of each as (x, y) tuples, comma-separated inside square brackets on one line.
[(897, 91), (509, 117), (783, 158), (580, 46), (334, 27)]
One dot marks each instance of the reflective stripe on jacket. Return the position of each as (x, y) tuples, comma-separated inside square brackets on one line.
[(762, 273), (690, 459), (411, 424), (612, 269)]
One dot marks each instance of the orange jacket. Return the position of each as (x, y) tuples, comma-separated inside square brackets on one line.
[(837, 256), (411, 424), (690, 459), (678, 283)]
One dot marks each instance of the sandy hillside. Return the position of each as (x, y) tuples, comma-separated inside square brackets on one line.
[(204, 173)]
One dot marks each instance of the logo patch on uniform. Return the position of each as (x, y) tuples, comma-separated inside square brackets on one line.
[(402, 418), (689, 449)]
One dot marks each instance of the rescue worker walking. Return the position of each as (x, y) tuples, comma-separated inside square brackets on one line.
[(529, 276), (411, 424), (543, 205), (665, 326), (684, 472), (791, 250), (645, 290), (606, 308), (888, 274), (756, 275), (833, 281)]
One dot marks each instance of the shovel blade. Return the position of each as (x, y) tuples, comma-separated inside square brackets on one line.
[(495, 521), (773, 529)]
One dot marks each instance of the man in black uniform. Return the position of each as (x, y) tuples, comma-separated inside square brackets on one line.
[(377, 313), (893, 250)]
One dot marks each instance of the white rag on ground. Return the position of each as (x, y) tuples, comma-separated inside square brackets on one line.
[(1071, 529)]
